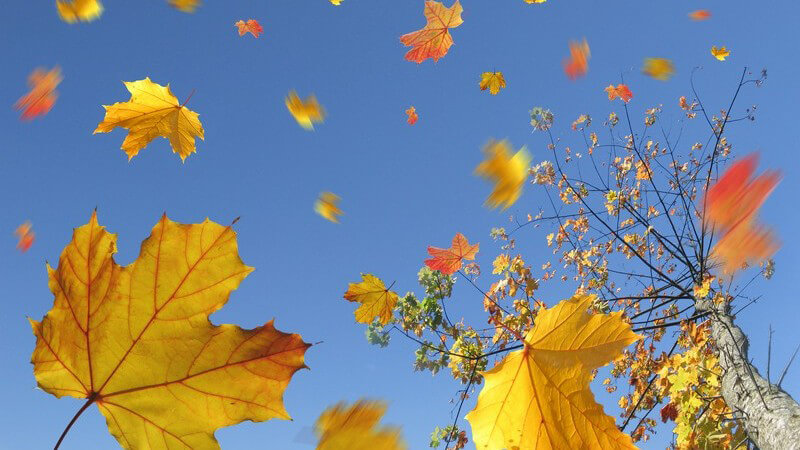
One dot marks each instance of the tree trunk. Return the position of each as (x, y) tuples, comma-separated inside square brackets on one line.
[(771, 417)]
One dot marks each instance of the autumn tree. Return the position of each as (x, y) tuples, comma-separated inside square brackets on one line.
[(638, 233)]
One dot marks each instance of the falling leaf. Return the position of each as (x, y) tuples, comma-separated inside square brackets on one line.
[(493, 81), (658, 68), (434, 40), (448, 260), (375, 298), (188, 6), (578, 63), (720, 53), (534, 1), (336, 2), (42, 96), (412, 115), (622, 91), (539, 397), (307, 112), (72, 11), (506, 170), (700, 14), (326, 206), (137, 340), (356, 428), (251, 26), (153, 111), (26, 236), (732, 204)]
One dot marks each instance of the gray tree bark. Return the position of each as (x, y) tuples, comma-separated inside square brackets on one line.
[(771, 417)]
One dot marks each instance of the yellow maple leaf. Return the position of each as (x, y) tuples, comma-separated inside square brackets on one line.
[(72, 11), (336, 2), (137, 342), (375, 298), (188, 6), (539, 397), (494, 81), (307, 112), (326, 206), (508, 172), (658, 68), (720, 53), (153, 111), (356, 428)]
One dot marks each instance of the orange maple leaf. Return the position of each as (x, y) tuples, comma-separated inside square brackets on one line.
[(412, 115), (731, 206), (700, 14), (448, 260), (578, 63), (434, 40), (251, 26), (43, 95), (622, 91), (26, 236)]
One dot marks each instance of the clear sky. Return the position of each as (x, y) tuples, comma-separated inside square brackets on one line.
[(402, 187)]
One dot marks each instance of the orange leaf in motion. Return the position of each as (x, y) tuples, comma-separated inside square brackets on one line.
[(578, 63), (622, 91), (356, 428), (43, 95), (538, 398), (507, 170), (700, 14), (25, 235), (658, 68), (306, 112), (720, 53), (412, 115), (251, 26), (732, 204), (448, 260), (137, 340), (434, 40), (187, 6), (327, 206)]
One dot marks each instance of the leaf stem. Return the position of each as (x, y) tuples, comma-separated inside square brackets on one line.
[(89, 401), (187, 98)]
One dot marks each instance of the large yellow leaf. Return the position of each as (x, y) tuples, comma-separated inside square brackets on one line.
[(153, 111), (375, 298), (539, 397), (72, 11), (137, 341), (356, 428)]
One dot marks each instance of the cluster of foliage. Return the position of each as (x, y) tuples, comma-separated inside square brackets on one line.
[(636, 240)]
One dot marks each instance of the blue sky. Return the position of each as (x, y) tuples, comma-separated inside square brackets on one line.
[(402, 187)]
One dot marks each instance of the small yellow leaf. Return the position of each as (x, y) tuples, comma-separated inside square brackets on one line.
[(658, 68), (153, 111), (187, 6), (720, 53), (307, 112), (494, 81), (72, 11), (326, 206), (376, 300), (336, 2)]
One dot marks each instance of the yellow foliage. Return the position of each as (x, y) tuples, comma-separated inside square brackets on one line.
[(539, 397), (153, 111), (137, 340), (327, 206)]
